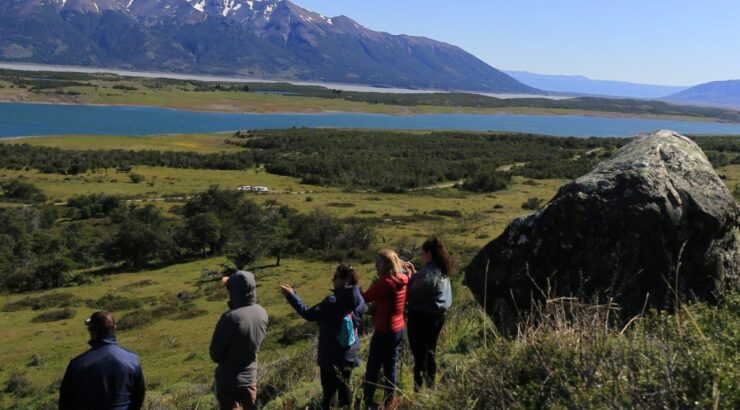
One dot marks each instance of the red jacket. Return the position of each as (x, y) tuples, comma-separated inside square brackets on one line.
[(389, 298)]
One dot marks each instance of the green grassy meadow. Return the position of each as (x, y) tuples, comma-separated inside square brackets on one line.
[(174, 351)]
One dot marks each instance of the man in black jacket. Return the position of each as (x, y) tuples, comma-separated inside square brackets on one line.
[(237, 339), (105, 377)]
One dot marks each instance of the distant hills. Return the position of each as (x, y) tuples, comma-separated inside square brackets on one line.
[(584, 85), (717, 93), (271, 39)]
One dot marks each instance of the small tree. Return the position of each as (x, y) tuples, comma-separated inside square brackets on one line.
[(204, 231), (136, 178)]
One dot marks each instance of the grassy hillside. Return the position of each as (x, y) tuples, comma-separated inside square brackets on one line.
[(169, 311)]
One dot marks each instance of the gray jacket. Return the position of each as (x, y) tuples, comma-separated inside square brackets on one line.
[(429, 291), (239, 333)]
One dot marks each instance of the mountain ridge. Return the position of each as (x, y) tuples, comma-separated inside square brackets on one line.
[(584, 85), (715, 93), (270, 39)]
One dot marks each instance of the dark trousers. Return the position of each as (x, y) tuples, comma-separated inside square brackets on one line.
[(424, 330), (333, 380), (236, 397), (384, 349)]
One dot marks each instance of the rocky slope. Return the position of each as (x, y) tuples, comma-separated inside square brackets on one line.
[(273, 39)]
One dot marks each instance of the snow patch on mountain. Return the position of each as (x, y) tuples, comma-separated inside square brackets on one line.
[(199, 5)]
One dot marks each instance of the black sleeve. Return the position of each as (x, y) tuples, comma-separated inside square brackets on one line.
[(139, 390), (66, 393), (220, 340)]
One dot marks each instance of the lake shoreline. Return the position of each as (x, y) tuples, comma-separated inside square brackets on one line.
[(442, 111)]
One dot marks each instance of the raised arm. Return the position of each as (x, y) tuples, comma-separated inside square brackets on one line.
[(312, 314)]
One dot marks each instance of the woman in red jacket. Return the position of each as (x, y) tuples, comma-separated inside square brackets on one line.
[(389, 295)]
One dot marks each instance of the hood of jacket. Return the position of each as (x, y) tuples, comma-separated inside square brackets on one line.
[(242, 289)]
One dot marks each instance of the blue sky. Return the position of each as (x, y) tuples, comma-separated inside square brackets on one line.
[(671, 42)]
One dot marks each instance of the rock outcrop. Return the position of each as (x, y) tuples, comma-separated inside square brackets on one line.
[(653, 215)]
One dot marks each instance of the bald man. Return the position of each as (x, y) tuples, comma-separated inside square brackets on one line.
[(105, 377)]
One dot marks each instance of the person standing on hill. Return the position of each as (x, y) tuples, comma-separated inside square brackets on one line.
[(235, 343), (389, 295), (105, 377), (339, 342), (429, 299)]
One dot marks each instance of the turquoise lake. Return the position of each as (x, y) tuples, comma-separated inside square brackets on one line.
[(47, 119)]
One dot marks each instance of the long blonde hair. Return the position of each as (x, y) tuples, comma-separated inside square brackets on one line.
[(390, 264)]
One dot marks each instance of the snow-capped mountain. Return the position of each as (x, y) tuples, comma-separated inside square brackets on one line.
[(273, 39)]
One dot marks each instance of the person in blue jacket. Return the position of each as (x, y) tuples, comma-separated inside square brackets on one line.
[(339, 351), (105, 377)]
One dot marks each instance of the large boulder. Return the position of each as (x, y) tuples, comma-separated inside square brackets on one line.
[(653, 215)]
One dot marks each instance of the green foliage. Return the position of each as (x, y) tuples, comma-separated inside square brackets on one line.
[(533, 204), (113, 303), (19, 385), (363, 158), (136, 178), (51, 300), (93, 206), (144, 236), (54, 316), (71, 162), (204, 231), (487, 181), (23, 191)]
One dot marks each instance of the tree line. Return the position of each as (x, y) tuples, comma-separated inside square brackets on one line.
[(45, 244)]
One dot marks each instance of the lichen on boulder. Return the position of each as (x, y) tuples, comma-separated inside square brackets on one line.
[(654, 215)]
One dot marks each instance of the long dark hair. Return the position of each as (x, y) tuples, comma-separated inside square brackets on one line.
[(440, 256), (347, 273)]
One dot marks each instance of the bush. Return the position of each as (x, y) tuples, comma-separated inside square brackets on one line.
[(533, 204), (54, 316), (136, 319), (448, 213), (19, 385), (136, 178), (41, 302), (113, 303), (487, 182), (190, 314), (304, 331), (22, 191)]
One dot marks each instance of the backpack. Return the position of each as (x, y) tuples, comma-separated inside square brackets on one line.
[(347, 335)]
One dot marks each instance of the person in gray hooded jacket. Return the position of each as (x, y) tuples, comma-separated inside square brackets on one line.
[(429, 297), (235, 343)]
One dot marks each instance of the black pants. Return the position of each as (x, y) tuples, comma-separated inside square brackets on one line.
[(424, 330), (334, 379)]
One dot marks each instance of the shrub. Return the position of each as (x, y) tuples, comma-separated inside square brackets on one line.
[(533, 203), (487, 182), (19, 385), (294, 334), (113, 303), (190, 314), (36, 360), (136, 178), (136, 319), (448, 213), (41, 302), (54, 316), (22, 191)]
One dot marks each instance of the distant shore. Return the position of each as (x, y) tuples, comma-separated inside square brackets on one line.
[(231, 79)]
